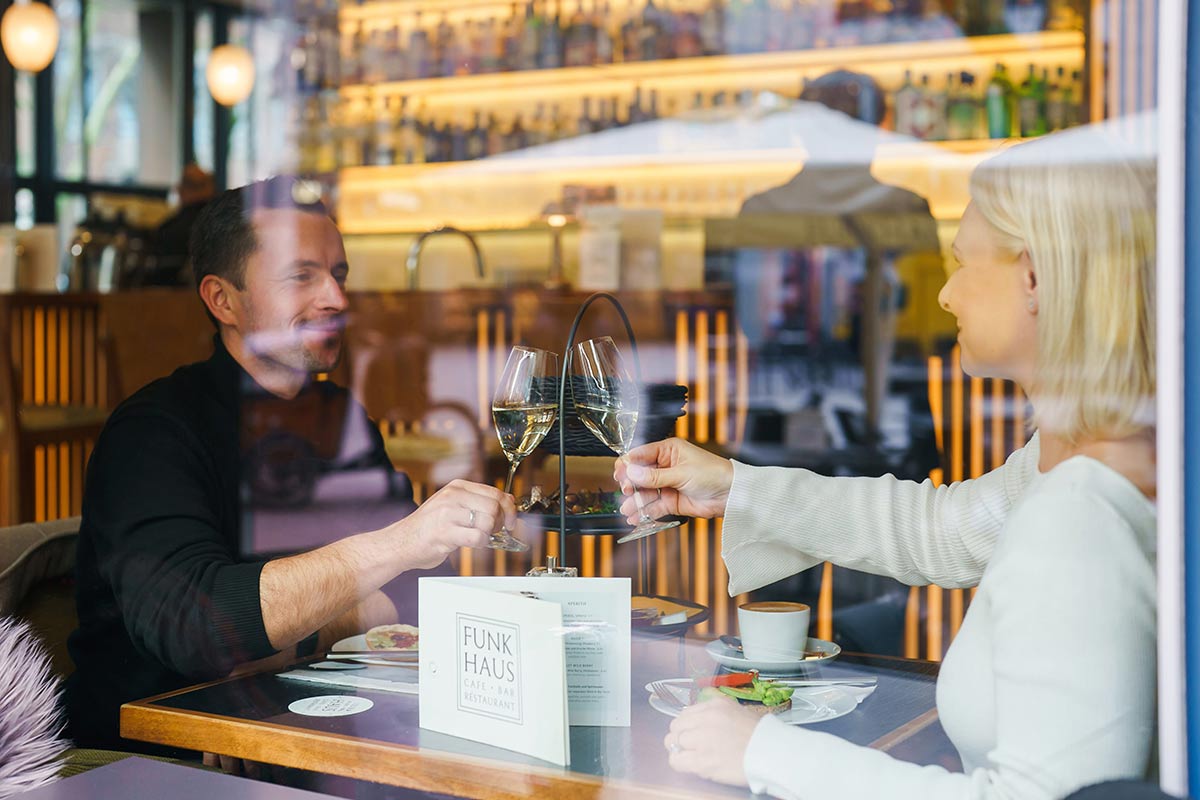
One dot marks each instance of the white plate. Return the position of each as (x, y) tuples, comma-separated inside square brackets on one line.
[(385, 658), (726, 656), (809, 704)]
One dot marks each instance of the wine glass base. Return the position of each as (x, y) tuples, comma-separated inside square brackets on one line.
[(647, 529), (503, 541)]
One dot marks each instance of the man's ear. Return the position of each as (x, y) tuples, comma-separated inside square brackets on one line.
[(218, 297)]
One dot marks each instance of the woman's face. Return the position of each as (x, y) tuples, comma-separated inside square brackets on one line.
[(994, 297)]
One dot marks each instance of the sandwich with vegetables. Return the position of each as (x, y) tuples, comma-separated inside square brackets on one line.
[(761, 696)]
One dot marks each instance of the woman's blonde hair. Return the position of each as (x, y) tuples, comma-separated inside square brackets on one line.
[(1088, 227)]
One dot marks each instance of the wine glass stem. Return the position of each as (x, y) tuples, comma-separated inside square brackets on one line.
[(512, 472), (641, 504)]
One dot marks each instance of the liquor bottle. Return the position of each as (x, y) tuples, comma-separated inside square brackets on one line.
[(538, 132), (602, 121), (686, 41), (531, 38), (613, 119), (605, 45), (963, 113), (477, 139), (420, 53), (445, 49), (635, 114), (938, 102), (491, 47), (1056, 109), (326, 136), (652, 111), (1076, 110), (712, 28), (514, 32), (353, 47), (905, 102), (429, 136), (651, 32), (352, 135), (579, 40), (559, 125), (1024, 16), (495, 136), (457, 135), (1031, 105), (517, 138), (998, 104), (585, 124), (411, 147), (551, 51), (470, 49), (385, 140)]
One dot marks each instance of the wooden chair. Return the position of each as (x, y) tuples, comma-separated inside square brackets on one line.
[(58, 382)]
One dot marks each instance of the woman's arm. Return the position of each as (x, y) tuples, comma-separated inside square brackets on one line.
[(781, 521), (1070, 628)]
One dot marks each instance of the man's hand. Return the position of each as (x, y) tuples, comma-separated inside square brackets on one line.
[(710, 740), (693, 482), (460, 514)]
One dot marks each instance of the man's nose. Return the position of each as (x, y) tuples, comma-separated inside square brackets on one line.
[(333, 294)]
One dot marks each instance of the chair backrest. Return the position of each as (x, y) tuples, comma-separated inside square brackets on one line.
[(37, 567)]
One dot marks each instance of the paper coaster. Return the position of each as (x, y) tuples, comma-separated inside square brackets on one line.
[(331, 705)]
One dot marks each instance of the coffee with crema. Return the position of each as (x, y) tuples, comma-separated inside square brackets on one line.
[(773, 630), (775, 606)]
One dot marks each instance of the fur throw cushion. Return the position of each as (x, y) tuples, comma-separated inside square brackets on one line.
[(31, 723)]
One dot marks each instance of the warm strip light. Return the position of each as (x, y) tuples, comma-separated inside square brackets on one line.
[(1020, 435), (606, 556), (39, 361), (741, 386), (499, 562), (1113, 61), (681, 365), (976, 427), (660, 565), (465, 564), (956, 416), (933, 624), (702, 570), (39, 484), (92, 388), (722, 391), (998, 449), (685, 560), (1096, 60), (956, 611), (912, 623), (825, 604), (587, 565), (936, 401), (383, 14), (720, 582), (64, 480), (702, 378)]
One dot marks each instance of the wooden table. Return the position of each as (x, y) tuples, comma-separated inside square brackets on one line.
[(248, 718)]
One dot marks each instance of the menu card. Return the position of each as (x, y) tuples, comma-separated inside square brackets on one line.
[(513, 662)]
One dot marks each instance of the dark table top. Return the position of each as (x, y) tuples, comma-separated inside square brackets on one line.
[(248, 718)]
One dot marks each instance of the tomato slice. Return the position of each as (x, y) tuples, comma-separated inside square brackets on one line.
[(728, 679)]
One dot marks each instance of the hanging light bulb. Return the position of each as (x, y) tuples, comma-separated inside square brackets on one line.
[(29, 36), (230, 74)]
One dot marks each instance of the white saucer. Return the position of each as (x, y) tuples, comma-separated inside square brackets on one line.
[(809, 704), (726, 656), (384, 659)]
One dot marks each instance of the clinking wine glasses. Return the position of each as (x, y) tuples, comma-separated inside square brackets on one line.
[(606, 399), (523, 409)]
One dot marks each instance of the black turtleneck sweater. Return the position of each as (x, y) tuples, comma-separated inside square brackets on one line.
[(165, 595)]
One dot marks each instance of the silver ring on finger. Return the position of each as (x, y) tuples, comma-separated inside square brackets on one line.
[(471, 520), (674, 747)]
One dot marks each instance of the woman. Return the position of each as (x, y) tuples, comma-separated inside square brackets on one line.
[(1050, 683)]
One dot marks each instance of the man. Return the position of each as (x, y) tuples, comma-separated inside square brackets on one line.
[(164, 599)]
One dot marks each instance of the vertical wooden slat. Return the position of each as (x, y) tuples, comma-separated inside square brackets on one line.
[(722, 388), (825, 604), (483, 391), (90, 375), (703, 399), (39, 484), (999, 451), (661, 561), (77, 359), (64, 356), (606, 556), (64, 480), (912, 623), (933, 624), (465, 564), (976, 427), (28, 325), (38, 361), (587, 566), (956, 416), (78, 466), (681, 365), (1020, 436)]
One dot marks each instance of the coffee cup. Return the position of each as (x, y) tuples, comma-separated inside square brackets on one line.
[(773, 630)]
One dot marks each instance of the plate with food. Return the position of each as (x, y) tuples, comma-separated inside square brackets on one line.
[(817, 652), (794, 705), (588, 511), (383, 644)]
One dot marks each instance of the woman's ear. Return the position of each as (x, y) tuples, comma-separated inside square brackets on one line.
[(1028, 281), (219, 299)]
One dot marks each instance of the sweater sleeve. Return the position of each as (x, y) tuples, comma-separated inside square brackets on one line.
[(1072, 597), (152, 510), (781, 521)]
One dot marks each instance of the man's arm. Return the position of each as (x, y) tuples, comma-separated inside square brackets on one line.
[(304, 593)]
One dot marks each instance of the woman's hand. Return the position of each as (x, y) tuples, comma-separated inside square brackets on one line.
[(681, 479), (710, 740)]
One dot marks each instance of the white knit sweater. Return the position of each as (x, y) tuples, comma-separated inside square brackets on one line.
[(1049, 685)]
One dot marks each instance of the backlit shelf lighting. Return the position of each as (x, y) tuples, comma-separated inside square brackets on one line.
[(781, 72)]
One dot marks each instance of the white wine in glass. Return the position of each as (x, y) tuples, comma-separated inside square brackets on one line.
[(523, 409), (606, 399)]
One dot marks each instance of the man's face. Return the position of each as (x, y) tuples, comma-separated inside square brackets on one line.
[(292, 309)]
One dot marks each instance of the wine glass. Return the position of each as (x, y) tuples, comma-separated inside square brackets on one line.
[(606, 399), (523, 409)]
